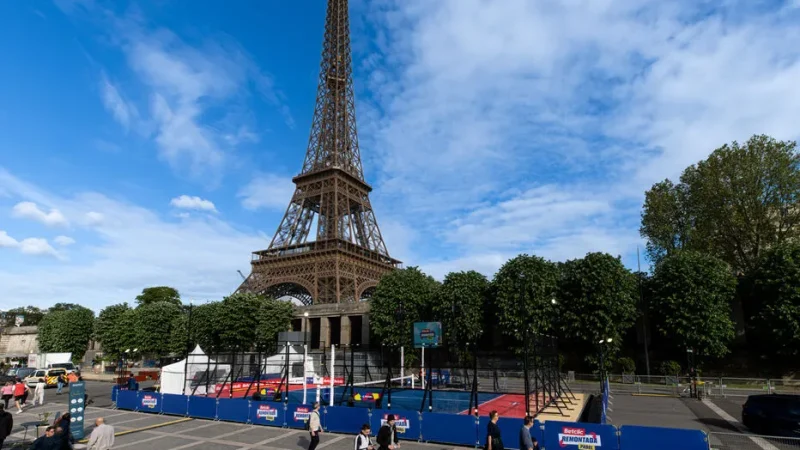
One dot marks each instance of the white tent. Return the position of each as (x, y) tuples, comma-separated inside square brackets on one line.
[(276, 364), (199, 366)]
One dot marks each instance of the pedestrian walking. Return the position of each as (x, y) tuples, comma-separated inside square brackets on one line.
[(38, 393), (386, 435), (362, 439), (25, 395), (8, 393), (102, 437), (19, 393), (314, 426), (493, 439), (6, 424), (526, 442), (60, 381)]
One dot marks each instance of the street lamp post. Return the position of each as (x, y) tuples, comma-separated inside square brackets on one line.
[(305, 355), (603, 362)]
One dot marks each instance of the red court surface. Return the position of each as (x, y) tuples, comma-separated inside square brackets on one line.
[(509, 405)]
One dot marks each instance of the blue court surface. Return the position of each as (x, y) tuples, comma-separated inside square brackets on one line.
[(401, 398)]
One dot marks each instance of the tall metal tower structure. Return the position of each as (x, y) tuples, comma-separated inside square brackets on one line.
[(328, 247)]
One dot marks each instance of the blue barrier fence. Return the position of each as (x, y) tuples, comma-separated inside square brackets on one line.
[(444, 428)]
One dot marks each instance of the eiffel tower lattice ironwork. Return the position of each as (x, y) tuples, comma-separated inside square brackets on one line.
[(328, 247)]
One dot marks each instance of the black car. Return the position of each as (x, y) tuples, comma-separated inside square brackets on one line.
[(775, 414)]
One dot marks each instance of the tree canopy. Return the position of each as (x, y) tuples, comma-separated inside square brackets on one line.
[(775, 302), (159, 294), (690, 306), (32, 316), (107, 329), (66, 330), (597, 299), (401, 298), (524, 289), (459, 305), (734, 205)]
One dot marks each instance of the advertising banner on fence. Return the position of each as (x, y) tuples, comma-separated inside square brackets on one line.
[(149, 401), (580, 436)]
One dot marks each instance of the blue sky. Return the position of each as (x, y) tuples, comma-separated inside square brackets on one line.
[(151, 143)]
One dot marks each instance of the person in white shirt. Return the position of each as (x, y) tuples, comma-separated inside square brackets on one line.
[(38, 393), (362, 439), (102, 437)]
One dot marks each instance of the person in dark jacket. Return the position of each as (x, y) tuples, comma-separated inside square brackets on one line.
[(6, 424), (49, 441), (493, 439), (385, 436), (64, 434)]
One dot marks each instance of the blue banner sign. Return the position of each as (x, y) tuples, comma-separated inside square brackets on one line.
[(76, 408), (427, 334)]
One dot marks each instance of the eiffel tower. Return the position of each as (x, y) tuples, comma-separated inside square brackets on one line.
[(328, 247)]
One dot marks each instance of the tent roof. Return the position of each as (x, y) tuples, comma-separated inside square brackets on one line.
[(180, 366)]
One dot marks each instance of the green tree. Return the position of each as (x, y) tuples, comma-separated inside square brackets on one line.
[(775, 298), (524, 289), (626, 365), (64, 307), (692, 293), (32, 316), (401, 298), (66, 331), (670, 368), (153, 327), (459, 305), (666, 219), (158, 294), (237, 320), (108, 329), (274, 316), (735, 204), (600, 294)]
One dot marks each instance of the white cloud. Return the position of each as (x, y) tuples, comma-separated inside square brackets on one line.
[(94, 218), (31, 211), (28, 246), (7, 241), (193, 202), (122, 111), (478, 107), (37, 246), (267, 191), (64, 241), (131, 247)]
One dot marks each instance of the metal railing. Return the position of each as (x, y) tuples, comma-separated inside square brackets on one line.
[(678, 386), (739, 441)]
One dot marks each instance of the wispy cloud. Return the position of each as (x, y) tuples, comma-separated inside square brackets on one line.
[(268, 191), (193, 202), (512, 126), (64, 240), (184, 87), (115, 104), (132, 247)]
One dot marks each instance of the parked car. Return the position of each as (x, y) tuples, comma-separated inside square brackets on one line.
[(776, 414), (50, 377), (69, 367), (20, 372)]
